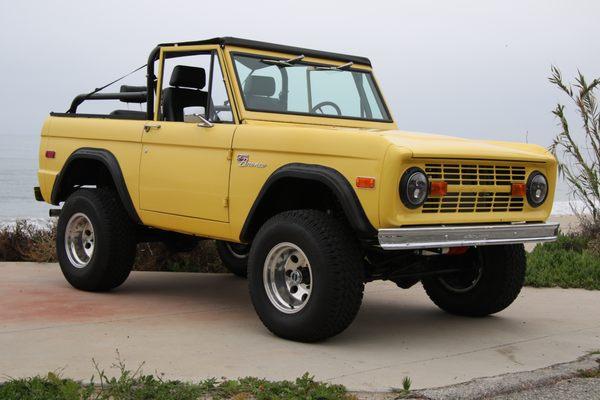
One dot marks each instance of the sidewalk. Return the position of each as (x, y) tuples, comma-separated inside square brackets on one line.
[(192, 326)]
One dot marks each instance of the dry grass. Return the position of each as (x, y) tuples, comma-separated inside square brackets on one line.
[(25, 241), (156, 257)]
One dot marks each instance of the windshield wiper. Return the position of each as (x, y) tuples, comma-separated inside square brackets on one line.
[(338, 68), (284, 63)]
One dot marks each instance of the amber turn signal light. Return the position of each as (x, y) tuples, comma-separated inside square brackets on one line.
[(365, 183), (438, 188), (518, 189)]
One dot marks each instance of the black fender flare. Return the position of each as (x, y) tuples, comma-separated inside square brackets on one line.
[(331, 178), (112, 165)]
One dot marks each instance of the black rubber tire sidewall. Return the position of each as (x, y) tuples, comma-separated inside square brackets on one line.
[(114, 241), (236, 265), (337, 275), (503, 276)]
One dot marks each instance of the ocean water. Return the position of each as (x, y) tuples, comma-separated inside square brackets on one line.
[(18, 176)]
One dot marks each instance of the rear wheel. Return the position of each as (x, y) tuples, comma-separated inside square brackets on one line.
[(490, 280), (234, 257), (305, 274), (95, 240)]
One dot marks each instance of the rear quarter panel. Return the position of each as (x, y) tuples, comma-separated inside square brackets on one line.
[(65, 135)]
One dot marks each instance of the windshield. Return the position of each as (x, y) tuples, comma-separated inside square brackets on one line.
[(294, 87)]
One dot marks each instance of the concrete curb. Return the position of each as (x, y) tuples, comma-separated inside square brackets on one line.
[(510, 383)]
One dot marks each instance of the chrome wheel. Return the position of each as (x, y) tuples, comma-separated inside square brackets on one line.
[(287, 277), (79, 240)]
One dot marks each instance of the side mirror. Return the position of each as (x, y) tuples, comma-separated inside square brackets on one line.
[(204, 123)]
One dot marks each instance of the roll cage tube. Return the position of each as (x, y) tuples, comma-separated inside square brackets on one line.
[(146, 96), (127, 96), (151, 82), (149, 95), (211, 111)]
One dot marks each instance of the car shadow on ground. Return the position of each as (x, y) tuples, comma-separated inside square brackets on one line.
[(392, 315), (409, 322)]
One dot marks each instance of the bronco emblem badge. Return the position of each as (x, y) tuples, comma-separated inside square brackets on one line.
[(243, 160)]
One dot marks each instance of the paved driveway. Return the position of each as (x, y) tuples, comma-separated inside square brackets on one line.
[(193, 326)]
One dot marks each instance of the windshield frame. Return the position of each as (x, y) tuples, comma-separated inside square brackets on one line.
[(354, 68)]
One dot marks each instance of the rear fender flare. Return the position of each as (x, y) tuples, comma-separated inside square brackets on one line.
[(112, 165)]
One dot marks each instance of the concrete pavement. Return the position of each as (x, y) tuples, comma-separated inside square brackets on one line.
[(193, 326)]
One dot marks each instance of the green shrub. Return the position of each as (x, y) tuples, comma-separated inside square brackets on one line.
[(566, 263), (569, 242), (133, 385), (577, 147), (49, 387)]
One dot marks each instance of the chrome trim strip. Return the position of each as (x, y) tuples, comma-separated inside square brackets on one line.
[(465, 235)]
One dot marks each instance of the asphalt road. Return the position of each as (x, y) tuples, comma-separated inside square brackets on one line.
[(571, 389), (192, 326)]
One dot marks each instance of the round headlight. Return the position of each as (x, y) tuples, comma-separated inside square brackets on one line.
[(413, 187), (537, 189)]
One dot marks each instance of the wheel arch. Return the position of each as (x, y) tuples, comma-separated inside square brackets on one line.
[(307, 176), (92, 166)]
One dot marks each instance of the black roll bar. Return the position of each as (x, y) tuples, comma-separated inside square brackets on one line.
[(127, 97)]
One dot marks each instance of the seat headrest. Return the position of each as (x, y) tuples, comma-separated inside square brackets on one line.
[(188, 77), (259, 86)]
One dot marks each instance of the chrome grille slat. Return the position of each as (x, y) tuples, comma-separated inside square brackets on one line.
[(475, 174)]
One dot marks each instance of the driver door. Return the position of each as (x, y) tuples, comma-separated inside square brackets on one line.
[(185, 161)]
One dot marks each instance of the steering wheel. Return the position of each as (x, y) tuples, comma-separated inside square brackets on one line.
[(319, 107)]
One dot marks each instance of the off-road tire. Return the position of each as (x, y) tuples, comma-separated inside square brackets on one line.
[(236, 263), (115, 240), (337, 269), (501, 280)]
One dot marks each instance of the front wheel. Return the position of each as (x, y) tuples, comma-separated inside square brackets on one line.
[(305, 274), (490, 279)]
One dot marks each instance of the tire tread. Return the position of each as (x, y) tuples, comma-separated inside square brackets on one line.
[(344, 260), (506, 263), (120, 236)]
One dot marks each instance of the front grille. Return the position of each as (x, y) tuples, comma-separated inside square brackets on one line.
[(475, 174), (494, 195), (473, 202)]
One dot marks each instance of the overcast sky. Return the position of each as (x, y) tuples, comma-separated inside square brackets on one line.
[(469, 68)]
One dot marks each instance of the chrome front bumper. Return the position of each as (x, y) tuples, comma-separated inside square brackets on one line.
[(428, 237)]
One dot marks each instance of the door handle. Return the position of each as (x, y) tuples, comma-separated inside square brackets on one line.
[(148, 127)]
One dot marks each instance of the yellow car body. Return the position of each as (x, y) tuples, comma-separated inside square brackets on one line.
[(188, 178)]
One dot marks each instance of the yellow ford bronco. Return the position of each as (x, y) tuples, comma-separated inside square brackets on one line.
[(291, 160)]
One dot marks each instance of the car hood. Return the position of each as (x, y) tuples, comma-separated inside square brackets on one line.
[(424, 145)]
